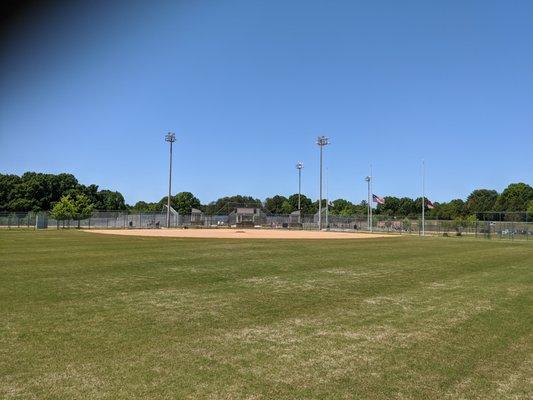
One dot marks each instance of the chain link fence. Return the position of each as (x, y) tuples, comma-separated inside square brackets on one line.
[(18, 220), (513, 226)]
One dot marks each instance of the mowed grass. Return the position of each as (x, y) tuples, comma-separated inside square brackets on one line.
[(86, 316)]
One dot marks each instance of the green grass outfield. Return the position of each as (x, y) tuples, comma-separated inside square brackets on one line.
[(87, 316)]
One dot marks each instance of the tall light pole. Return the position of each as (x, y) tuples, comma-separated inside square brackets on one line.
[(368, 180), (321, 141), (171, 138), (299, 167)]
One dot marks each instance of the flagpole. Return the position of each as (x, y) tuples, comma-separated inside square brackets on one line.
[(371, 198), (367, 179), (423, 197)]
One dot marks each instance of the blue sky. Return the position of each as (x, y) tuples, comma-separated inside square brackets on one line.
[(91, 89)]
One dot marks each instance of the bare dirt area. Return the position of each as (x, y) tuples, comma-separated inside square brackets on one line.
[(238, 233)]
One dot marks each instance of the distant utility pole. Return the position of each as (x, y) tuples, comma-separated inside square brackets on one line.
[(321, 141), (171, 138), (368, 180), (299, 167)]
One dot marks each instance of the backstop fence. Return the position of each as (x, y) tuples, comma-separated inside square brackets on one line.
[(492, 225)]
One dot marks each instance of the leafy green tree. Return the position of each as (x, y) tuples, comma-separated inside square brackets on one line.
[(515, 197), (83, 208), (407, 207), (361, 208), (62, 182), (8, 184), (182, 202), (63, 210), (391, 206), (452, 210), (21, 204), (90, 191), (433, 213), (471, 220), (417, 208), (109, 200), (42, 190), (143, 206), (31, 193), (305, 203), (339, 206), (77, 208), (226, 205), (345, 208), (286, 207), (274, 205), (481, 201), (529, 212), (345, 212)]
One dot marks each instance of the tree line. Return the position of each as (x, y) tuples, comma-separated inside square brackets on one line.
[(480, 204), (42, 192)]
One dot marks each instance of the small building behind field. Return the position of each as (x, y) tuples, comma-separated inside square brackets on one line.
[(294, 217), (246, 215), (196, 216)]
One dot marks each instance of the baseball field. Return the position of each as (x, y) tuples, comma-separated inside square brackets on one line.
[(93, 316)]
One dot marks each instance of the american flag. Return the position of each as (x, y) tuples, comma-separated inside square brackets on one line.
[(377, 199), (429, 204)]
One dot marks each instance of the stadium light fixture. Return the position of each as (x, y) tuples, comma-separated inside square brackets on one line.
[(321, 142), (171, 138)]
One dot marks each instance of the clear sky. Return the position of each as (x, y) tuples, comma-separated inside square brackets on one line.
[(91, 88)]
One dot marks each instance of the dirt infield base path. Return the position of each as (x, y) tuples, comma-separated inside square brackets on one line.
[(237, 233)]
